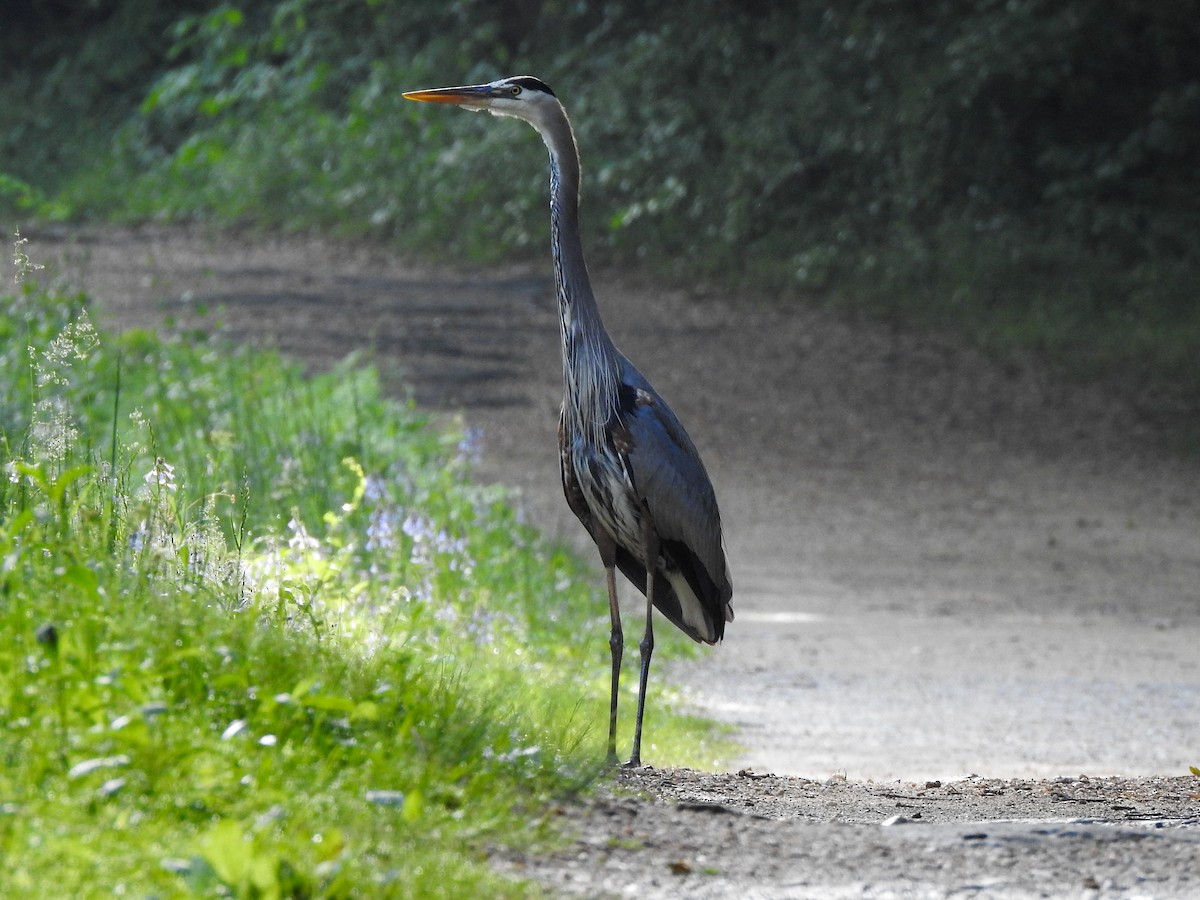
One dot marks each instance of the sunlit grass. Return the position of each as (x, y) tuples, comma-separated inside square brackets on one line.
[(264, 638)]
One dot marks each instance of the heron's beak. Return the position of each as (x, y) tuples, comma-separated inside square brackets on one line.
[(474, 96)]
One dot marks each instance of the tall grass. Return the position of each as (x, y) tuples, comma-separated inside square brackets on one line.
[(263, 637)]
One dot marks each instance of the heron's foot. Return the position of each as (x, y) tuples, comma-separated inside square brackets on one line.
[(635, 762), (612, 761)]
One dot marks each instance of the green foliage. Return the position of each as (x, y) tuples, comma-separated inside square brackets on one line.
[(71, 73), (1024, 168), (263, 638)]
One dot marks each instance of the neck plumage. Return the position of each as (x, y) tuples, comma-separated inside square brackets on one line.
[(591, 364)]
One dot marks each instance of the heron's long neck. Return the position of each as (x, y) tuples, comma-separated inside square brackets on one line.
[(591, 364)]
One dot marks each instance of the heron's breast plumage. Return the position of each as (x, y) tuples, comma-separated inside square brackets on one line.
[(607, 490)]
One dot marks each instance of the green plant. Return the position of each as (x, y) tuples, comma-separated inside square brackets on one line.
[(264, 637), (1021, 172)]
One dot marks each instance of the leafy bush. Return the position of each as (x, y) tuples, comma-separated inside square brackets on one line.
[(998, 164)]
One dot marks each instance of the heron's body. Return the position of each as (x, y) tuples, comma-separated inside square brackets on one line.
[(612, 483), (629, 470)]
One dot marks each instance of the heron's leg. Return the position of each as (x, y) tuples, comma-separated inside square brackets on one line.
[(616, 640), (616, 643), (650, 544)]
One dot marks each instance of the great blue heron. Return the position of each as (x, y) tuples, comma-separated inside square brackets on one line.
[(629, 470)]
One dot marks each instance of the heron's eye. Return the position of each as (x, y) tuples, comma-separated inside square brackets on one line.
[(515, 90)]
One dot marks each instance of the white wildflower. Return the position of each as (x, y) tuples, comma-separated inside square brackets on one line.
[(162, 475)]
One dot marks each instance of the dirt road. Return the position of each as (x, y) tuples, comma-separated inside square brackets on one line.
[(943, 567)]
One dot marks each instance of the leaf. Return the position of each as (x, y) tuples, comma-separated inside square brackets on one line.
[(131, 731), (330, 703), (152, 100), (84, 579), (185, 653), (414, 805), (330, 845), (303, 687), (368, 710), (59, 487), (230, 854)]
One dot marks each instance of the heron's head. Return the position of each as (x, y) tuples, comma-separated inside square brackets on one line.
[(522, 96)]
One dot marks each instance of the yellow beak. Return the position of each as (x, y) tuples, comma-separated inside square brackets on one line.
[(473, 95)]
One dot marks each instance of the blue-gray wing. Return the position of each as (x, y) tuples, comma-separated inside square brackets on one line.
[(669, 477)]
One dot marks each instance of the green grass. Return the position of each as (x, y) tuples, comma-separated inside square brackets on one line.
[(264, 638)]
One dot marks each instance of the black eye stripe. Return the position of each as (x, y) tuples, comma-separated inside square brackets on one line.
[(534, 84)]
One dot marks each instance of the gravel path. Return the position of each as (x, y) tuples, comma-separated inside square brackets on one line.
[(943, 566), (679, 833)]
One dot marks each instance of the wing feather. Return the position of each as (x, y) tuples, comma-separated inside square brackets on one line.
[(671, 480)]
